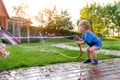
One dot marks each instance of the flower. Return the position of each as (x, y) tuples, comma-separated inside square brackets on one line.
[(5, 54), (2, 45), (3, 51)]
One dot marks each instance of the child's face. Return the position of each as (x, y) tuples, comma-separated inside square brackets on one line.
[(82, 28)]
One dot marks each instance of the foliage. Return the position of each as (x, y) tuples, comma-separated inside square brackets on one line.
[(109, 18), (104, 19), (20, 10), (54, 21), (92, 14)]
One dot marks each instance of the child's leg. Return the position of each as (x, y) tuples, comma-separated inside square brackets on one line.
[(93, 50), (88, 52), (88, 60)]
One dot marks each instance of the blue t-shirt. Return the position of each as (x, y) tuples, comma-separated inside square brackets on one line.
[(91, 39)]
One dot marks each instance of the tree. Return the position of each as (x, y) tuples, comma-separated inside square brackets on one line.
[(92, 13), (63, 21), (20, 10), (53, 21), (111, 17), (116, 15), (105, 20)]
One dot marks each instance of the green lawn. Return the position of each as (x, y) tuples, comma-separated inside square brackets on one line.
[(107, 44), (37, 54), (111, 44)]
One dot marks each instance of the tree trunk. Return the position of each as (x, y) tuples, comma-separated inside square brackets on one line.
[(28, 34), (108, 31), (118, 32)]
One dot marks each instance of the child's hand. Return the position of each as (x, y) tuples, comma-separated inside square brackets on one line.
[(77, 38), (78, 42)]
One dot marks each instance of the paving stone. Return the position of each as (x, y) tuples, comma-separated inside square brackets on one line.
[(67, 71)]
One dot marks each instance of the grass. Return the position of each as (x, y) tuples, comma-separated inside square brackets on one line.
[(111, 44), (38, 54)]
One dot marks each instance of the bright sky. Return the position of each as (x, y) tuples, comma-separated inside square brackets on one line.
[(73, 6)]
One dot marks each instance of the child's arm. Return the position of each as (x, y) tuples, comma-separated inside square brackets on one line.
[(80, 42), (77, 38)]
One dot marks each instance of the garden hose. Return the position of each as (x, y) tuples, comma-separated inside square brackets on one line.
[(76, 57), (76, 38)]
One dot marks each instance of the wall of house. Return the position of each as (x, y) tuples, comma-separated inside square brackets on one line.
[(3, 22), (3, 15)]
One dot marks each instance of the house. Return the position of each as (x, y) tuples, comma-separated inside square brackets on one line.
[(15, 24), (3, 15)]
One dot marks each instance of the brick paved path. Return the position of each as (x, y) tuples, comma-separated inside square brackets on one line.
[(106, 70)]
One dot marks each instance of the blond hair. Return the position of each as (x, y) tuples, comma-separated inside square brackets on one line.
[(84, 22)]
